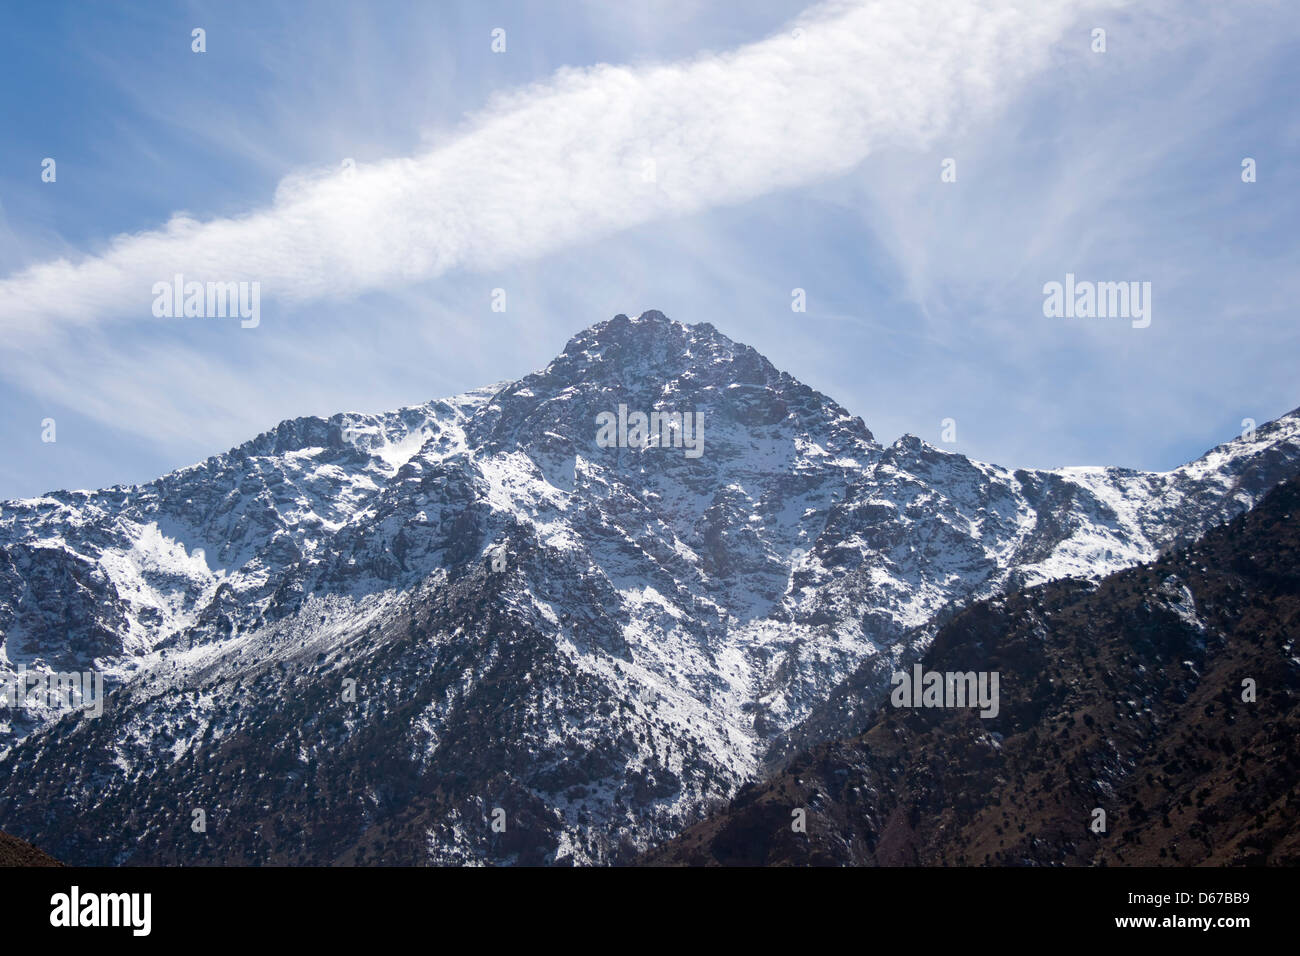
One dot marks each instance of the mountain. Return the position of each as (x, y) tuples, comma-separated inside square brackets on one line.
[(1125, 695), (355, 639)]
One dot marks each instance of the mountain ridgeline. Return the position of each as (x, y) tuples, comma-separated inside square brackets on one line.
[(1163, 696), (483, 630)]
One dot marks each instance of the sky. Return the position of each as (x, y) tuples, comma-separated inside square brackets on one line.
[(380, 170)]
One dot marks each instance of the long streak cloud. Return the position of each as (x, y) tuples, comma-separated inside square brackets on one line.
[(590, 152)]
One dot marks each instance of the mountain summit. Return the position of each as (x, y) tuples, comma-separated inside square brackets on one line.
[(480, 629)]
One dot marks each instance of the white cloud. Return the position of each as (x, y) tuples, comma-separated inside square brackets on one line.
[(565, 160)]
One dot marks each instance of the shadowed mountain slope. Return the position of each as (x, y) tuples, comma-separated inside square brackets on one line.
[(1124, 696)]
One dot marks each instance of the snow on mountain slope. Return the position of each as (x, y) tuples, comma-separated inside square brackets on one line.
[(99, 579), (657, 621)]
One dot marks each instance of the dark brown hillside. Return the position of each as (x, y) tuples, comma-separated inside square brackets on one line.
[(1124, 696), (16, 852)]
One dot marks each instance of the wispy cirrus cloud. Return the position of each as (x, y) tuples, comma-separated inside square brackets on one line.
[(590, 152)]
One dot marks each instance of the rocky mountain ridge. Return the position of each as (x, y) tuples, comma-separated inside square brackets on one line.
[(1148, 719), (599, 641)]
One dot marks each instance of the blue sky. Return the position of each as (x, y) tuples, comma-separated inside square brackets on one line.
[(794, 147)]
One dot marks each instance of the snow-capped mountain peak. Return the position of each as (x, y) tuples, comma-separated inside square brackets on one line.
[(548, 599)]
